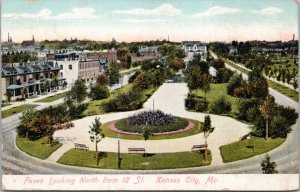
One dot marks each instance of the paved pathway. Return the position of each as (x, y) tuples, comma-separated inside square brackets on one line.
[(227, 130)]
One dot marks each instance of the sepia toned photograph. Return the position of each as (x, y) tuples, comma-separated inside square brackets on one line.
[(150, 95)]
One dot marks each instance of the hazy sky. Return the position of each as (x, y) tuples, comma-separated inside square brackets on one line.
[(135, 20)]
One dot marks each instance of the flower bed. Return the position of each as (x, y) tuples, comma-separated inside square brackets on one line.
[(113, 128)]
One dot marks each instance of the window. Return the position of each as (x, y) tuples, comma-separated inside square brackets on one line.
[(61, 67), (37, 76), (24, 78), (70, 67)]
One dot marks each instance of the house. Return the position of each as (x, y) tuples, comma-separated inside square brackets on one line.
[(194, 47), (28, 76), (72, 70)]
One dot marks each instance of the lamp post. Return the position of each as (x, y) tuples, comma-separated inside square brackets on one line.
[(119, 159)]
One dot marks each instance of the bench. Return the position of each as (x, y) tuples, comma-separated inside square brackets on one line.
[(81, 146), (245, 137), (199, 147), (136, 150)]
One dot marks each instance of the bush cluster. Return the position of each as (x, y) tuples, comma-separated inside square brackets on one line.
[(131, 100), (157, 118), (220, 106), (99, 92), (198, 104), (177, 125)]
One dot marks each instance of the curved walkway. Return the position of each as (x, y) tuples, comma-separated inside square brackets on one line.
[(170, 99)]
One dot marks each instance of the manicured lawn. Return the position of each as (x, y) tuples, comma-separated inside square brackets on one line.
[(95, 107), (216, 92), (38, 148), (14, 110), (248, 148), (4, 105), (84, 158), (197, 129), (52, 98)]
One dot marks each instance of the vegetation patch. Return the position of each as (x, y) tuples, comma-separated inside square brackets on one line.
[(248, 148), (195, 130), (52, 98), (15, 110), (134, 161), (38, 148)]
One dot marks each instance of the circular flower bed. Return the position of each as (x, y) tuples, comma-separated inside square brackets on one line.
[(155, 121)]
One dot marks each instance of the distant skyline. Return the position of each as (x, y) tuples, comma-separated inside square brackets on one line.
[(143, 20)]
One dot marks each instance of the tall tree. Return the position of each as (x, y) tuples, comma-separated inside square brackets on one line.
[(27, 121), (268, 167), (113, 73), (266, 110), (206, 78), (207, 130), (78, 92), (96, 135)]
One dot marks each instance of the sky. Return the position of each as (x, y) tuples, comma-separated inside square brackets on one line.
[(142, 20)]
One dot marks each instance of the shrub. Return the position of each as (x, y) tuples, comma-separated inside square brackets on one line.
[(234, 82), (288, 113), (131, 100), (99, 92), (201, 105), (279, 127), (218, 64), (223, 75), (247, 107), (220, 106), (189, 103), (142, 81)]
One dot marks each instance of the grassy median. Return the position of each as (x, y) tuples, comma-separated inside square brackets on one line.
[(108, 160), (15, 110), (52, 98), (248, 148), (38, 148)]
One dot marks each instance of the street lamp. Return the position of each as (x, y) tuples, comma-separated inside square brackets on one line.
[(119, 159)]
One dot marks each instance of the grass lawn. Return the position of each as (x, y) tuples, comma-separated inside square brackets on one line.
[(197, 129), (5, 104), (94, 107), (52, 98), (38, 148), (14, 110), (244, 149), (216, 92), (134, 161)]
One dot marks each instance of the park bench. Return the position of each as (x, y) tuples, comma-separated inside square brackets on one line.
[(136, 150), (199, 147), (245, 137), (81, 146)]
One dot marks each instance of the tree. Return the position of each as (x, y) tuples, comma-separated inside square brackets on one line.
[(176, 63), (295, 84), (113, 73), (207, 130), (147, 133), (206, 78), (96, 135), (8, 96), (47, 125), (257, 84), (23, 92), (78, 91), (102, 79), (268, 167), (279, 127), (64, 84), (55, 83), (99, 92), (27, 123), (266, 110)]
